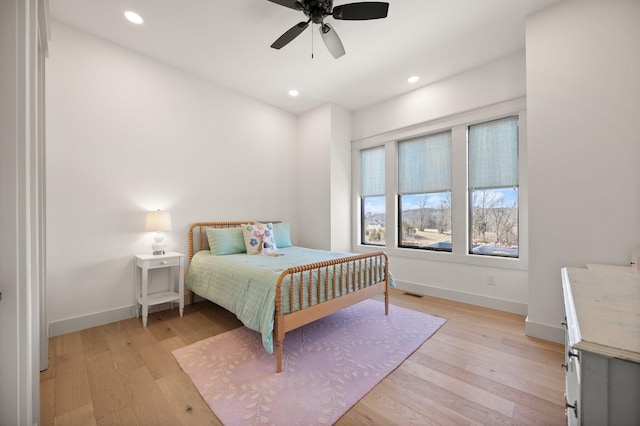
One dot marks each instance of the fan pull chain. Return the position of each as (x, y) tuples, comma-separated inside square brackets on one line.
[(312, 32)]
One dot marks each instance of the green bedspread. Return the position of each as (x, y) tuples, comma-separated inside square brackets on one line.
[(245, 284)]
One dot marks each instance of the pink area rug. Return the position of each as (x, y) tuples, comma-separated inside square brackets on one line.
[(329, 365)]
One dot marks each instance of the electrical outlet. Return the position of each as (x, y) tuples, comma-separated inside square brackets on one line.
[(491, 279)]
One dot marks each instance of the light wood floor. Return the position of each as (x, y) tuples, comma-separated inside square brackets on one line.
[(479, 368)]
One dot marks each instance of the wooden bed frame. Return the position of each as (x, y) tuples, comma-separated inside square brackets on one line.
[(367, 281)]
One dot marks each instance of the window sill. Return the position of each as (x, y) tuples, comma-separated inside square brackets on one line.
[(449, 257)]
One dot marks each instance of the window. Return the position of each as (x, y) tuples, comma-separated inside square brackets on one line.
[(449, 190), (493, 187), (424, 192), (372, 196)]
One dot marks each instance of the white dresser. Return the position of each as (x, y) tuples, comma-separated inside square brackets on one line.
[(602, 356)]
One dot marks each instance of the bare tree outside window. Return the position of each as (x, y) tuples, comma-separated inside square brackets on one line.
[(494, 222), (426, 221)]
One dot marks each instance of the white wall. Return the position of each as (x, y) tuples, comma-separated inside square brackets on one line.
[(126, 135), (583, 104), (313, 178), (437, 273), (495, 82), (340, 179), (324, 179)]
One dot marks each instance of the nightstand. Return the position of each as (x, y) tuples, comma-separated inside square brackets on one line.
[(145, 262)]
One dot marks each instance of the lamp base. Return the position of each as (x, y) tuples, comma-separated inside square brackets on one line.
[(158, 245)]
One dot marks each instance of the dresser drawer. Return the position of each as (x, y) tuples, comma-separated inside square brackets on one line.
[(162, 263), (572, 380)]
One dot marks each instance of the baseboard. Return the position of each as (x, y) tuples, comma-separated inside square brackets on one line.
[(459, 296), (70, 325), (543, 331)]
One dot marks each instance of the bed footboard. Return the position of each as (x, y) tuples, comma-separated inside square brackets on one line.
[(320, 289)]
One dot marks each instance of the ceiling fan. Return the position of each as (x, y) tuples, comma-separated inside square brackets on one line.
[(317, 10)]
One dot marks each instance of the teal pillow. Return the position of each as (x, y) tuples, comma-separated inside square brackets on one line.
[(226, 241), (282, 234)]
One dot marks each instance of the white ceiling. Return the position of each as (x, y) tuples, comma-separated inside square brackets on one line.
[(227, 42)]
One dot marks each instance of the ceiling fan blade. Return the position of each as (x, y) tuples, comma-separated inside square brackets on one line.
[(292, 4), (361, 11), (331, 40), (288, 36)]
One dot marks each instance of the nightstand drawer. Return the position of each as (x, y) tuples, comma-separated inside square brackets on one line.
[(161, 263)]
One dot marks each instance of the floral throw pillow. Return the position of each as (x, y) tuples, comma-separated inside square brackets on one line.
[(259, 238)]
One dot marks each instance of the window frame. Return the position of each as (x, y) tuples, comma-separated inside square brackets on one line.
[(428, 183), (458, 124), (500, 186), (374, 194)]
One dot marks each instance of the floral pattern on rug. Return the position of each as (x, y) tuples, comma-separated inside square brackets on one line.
[(328, 365)]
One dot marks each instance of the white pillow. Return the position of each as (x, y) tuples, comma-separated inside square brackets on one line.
[(259, 237)]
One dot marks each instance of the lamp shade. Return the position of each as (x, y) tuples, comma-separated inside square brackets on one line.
[(158, 221)]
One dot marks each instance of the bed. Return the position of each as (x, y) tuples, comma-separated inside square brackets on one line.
[(276, 293)]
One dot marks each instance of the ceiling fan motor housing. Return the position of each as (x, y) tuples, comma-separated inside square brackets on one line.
[(316, 10)]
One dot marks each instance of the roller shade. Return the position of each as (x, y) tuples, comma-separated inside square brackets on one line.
[(424, 164), (372, 172), (493, 154)]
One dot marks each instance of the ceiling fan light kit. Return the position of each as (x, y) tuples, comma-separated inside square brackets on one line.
[(317, 10)]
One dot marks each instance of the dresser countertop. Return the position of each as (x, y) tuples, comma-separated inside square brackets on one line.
[(603, 311)]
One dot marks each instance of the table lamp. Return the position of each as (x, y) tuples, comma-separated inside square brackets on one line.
[(158, 221)]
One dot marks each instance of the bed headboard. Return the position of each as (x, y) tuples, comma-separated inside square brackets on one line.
[(198, 236)]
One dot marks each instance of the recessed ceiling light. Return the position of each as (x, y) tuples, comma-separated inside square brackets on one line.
[(293, 93), (413, 79), (133, 17)]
